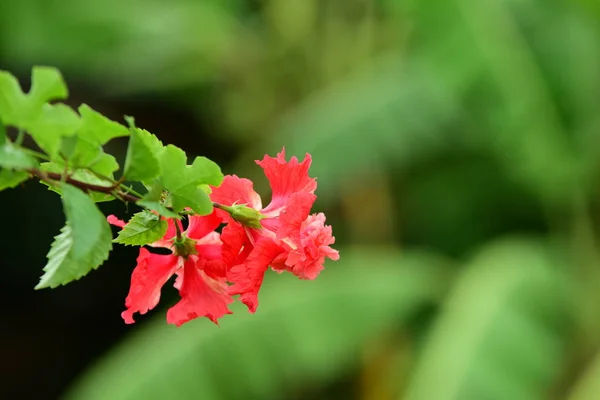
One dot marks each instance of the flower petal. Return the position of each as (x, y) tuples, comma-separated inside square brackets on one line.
[(201, 296), (148, 277), (286, 178), (294, 214), (307, 260), (234, 239), (113, 220), (235, 190), (247, 278), (200, 226)]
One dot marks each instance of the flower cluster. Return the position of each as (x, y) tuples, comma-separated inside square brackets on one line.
[(212, 267)]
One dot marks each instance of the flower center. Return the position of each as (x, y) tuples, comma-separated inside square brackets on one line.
[(185, 246)]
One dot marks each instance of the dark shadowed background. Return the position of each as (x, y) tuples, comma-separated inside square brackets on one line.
[(457, 149)]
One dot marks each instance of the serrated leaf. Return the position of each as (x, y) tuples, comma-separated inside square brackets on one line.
[(143, 228), (141, 162), (83, 244), (10, 179), (153, 201), (183, 181), (96, 128), (51, 125)]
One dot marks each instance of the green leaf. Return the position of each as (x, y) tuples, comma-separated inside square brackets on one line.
[(206, 171), (83, 244), (153, 201), (105, 164), (10, 179), (96, 128), (141, 162), (183, 181), (52, 124), (502, 332), (13, 101), (143, 228), (12, 156), (47, 84), (191, 196), (46, 123), (321, 325)]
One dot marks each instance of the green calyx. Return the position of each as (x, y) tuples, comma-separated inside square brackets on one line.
[(184, 246), (245, 215)]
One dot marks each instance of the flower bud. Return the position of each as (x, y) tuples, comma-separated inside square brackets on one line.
[(245, 215)]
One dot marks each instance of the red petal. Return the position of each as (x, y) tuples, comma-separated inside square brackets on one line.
[(236, 190), (199, 227), (234, 238), (286, 178), (248, 277), (113, 220), (307, 260), (296, 211), (201, 296), (148, 277)]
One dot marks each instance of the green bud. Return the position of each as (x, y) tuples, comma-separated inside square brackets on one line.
[(245, 215), (184, 247)]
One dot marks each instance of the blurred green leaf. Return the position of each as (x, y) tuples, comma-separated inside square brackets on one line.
[(47, 84), (588, 387), (10, 179), (503, 332), (143, 228), (83, 244), (20, 109), (399, 108), (525, 130), (45, 122), (303, 332)]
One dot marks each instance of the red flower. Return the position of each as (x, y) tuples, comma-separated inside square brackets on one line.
[(290, 239), (197, 262)]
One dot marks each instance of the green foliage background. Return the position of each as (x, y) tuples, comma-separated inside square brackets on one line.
[(457, 149)]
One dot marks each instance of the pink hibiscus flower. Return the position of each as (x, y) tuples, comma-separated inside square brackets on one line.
[(195, 259), (290, 238)]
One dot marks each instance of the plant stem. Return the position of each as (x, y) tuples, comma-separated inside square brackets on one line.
[(177, 228), (86, 187), (37, 154), (20, 137), (115, 189)]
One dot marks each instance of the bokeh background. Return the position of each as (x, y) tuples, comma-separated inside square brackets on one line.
[(457, 149)]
